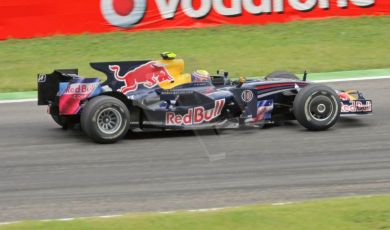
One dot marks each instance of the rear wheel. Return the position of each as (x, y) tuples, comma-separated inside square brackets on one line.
[(105, 119), (57, 119), (66, 122), (317, 107)]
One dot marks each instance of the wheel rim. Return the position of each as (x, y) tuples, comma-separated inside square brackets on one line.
[(109, 120), (321, 108)]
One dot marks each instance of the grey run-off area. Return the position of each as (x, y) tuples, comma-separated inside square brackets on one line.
[(46, 172)]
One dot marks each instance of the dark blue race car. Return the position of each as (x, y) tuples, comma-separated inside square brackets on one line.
[(157, 94)]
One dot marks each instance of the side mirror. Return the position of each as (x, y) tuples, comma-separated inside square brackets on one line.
[(304, 75)]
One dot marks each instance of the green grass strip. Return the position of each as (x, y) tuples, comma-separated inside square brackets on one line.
[(18, 95), (349, 74), (342, 213), (256, 50)]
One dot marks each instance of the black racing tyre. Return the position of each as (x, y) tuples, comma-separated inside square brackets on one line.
[(317, 107), (105, 119), (57, 119), (278, 75)]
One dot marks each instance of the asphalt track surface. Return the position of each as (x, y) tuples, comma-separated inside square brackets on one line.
[(46, 172)]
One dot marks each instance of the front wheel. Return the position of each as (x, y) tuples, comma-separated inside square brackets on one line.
[(105, 119), (317, 107)]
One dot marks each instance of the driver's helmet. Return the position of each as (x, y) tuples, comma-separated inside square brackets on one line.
[(200, 76)]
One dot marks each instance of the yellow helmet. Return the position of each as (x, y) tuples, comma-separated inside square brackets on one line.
[(168, 55)]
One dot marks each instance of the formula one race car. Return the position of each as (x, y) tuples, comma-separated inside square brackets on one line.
[(156, 94)]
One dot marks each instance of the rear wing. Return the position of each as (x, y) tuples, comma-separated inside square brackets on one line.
[(48, 84)]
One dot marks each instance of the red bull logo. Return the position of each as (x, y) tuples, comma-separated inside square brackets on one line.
[(195, 115), (149, 75)]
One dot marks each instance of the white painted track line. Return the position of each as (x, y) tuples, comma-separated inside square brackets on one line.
[(17, 101)]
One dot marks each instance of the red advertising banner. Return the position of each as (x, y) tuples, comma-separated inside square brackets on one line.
[(38, 18)]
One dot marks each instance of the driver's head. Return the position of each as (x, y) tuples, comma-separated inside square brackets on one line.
[(200, 76)]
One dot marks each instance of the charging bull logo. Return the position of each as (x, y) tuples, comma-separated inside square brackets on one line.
[(149, 75)]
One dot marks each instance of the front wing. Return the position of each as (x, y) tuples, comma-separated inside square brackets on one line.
[(356, 107)]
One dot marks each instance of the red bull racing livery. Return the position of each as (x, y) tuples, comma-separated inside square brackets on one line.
[(149, 75), (139, 95)]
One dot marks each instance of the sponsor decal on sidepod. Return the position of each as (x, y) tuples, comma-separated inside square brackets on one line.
[(247, 95), (195, 115)]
